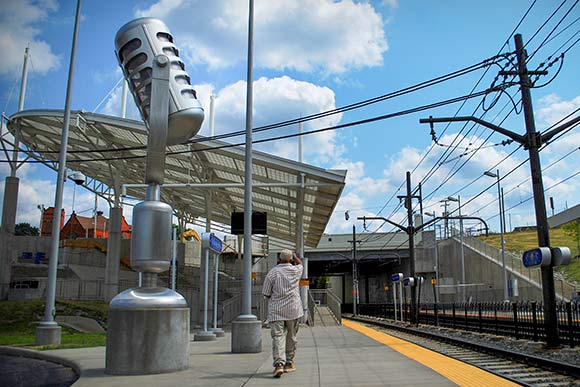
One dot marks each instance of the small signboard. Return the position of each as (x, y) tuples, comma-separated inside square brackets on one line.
[(211, 242), (397, 277), (409, 281), (561, 256), (304, 282), (540, 256)]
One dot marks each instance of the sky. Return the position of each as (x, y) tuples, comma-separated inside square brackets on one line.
[(313, 56)]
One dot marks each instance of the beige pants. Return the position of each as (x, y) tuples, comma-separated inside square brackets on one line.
[(284, 341)]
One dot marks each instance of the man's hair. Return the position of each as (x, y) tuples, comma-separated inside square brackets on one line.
[(286, 256)]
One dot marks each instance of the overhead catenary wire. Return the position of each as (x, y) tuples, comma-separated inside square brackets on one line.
[(292, 135), (431, 147), (553, 29), (419, 86), (478, 177)]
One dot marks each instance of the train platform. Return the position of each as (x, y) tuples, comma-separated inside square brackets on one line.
[(348, 355)]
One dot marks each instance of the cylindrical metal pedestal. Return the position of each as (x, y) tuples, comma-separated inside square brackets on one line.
[(148, 332), (246, 336)]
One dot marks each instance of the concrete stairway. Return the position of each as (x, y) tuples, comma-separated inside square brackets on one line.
[(324, 317)]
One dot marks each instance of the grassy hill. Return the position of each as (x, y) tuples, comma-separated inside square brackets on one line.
[(16, 318), (518, 242)]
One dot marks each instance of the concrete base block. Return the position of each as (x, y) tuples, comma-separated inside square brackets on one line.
[(218, 332), (147, 335), (246, 336), (48, 334), (204, 336)]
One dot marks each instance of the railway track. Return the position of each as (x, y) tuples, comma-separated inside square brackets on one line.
[(523, 369)]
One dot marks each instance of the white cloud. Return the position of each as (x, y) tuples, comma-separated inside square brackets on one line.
[(552, 109), (391, 3), (304, 35), (276, 100), (347, 202), (18, 20), (34, 191)]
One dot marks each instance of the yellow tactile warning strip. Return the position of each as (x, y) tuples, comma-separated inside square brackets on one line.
[(460, 373)]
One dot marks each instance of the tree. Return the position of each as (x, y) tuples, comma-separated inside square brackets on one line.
[(26, 229), (572, 229)]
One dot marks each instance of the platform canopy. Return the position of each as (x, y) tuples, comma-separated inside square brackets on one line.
[(110, 151)]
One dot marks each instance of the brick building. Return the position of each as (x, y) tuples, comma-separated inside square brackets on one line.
[(46, 221)]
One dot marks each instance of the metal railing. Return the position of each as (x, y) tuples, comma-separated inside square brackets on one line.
[(232, 307), (328, 298), (514, 263), (522, 320), (311, 309)]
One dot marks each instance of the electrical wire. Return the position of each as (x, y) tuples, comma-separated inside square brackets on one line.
[(431, 147), (292, 135), (553, 30), (422, 85), (545, 23)]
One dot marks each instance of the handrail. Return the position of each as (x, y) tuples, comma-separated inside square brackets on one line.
[(564, 290), (311, 309), (334, 303)]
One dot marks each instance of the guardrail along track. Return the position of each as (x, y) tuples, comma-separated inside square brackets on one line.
[(520, 368)]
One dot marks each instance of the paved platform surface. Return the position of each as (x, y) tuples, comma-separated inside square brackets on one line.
[(327, 356)]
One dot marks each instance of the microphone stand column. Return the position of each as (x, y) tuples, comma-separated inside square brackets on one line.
[(148, 329)]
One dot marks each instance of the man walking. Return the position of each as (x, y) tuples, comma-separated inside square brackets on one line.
[(281, 287)]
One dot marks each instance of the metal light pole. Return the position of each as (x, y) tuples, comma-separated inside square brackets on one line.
[(506, 296), (246, 335), (48, 331), (462, 252), (445, 213)]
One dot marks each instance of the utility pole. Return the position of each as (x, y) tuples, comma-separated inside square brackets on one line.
[(354, 272), (411, 233), (410, 230), (531, 140), (534, 143)]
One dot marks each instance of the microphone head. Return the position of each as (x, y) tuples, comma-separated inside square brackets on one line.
[(137, 44)]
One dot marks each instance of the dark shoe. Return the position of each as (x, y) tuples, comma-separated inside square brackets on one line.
[(289, 367), (278, 371)]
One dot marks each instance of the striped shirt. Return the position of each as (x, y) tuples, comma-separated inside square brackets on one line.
[(281, 286)]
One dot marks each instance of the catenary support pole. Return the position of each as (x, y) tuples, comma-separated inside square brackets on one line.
[(411, 234), (48, 331), (534, 142), (502, 236), (461, 252)]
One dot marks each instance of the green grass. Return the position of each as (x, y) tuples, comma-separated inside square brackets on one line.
[(518, 242), (16, 318)]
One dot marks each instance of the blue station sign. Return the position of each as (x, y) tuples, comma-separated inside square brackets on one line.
[(396, 277), (211, 242), (409, 281), (540, 256)]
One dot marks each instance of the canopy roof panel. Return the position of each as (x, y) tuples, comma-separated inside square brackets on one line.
[(111, 150)]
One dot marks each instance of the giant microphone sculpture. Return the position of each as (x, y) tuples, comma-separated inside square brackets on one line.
[(148, 330)]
